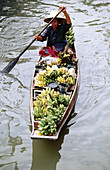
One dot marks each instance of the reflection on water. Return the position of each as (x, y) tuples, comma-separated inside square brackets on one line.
[(13, 141), (10, 144), (85, 141), (46, 152)]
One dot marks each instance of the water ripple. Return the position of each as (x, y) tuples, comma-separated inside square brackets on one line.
[(85, 141)]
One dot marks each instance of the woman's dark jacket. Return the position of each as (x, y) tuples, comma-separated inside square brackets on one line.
[(56, 38)]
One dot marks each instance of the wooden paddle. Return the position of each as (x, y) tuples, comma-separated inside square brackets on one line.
[(10, 66)]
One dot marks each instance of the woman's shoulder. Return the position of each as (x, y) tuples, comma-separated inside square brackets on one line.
[(66, 24), (49, 28)]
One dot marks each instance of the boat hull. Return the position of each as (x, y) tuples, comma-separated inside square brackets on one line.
[(73, 98)]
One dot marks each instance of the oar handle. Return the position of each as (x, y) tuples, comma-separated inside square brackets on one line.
[(26, 48)]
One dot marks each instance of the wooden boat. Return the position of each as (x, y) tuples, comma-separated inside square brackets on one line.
[(72, 92)]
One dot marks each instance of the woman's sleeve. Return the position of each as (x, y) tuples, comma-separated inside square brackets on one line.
[(66, 26), (45, 34)]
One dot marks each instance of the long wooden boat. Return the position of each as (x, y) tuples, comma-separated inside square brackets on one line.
[(71, 92)]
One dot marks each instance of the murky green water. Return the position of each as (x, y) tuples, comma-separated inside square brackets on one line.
[(84, 142)]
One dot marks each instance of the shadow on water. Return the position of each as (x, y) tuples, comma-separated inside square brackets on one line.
[(45, 155)]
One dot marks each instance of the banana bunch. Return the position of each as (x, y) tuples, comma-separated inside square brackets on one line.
[(64, 58), (63, 99), (40, 79), (70, 36), (70, 80), (56, 113), (45, 97), (47, 126), (63, 70), (46, 100), (61, 79), (49, 69), (49, 108), (45, 93), (67, 56)]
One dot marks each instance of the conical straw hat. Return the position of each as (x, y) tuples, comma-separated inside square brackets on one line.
[(52, 15)]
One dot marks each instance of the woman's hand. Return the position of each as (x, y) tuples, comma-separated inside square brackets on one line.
[(39, 38), (66, 14), (63, 7)]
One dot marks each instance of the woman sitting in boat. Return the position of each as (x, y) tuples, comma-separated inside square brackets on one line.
[(55, 34)]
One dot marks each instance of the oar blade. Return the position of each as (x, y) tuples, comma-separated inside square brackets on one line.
[(10, 66)]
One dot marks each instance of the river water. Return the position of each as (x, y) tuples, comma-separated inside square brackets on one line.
[(84, 142)]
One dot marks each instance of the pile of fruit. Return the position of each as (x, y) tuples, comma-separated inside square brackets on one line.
[(55, 74), (65, 58), (67, 55), (70, 37), (49, 108)]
